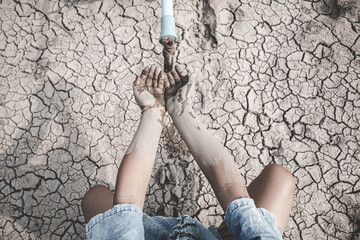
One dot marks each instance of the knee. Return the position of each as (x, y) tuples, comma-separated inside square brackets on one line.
[(97, 200), (97, 190), (277, 170)]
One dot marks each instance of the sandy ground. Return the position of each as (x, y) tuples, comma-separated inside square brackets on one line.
[(277, 81)]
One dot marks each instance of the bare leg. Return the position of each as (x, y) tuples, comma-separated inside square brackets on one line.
[(274, 190), (97, 200)]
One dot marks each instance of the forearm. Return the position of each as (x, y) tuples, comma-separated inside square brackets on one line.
[(212, 157), (136, 166)]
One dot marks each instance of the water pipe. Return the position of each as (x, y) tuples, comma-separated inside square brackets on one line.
[(168, 34)]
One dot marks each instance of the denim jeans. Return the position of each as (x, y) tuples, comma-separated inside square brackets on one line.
[(248, 222), (127, 221)]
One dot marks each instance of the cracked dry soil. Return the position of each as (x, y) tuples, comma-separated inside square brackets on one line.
[(277, 81)]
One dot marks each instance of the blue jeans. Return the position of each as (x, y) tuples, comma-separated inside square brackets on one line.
[(127, 221)]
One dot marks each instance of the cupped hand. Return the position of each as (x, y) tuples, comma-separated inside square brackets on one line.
[(179, 91), (149, 89)]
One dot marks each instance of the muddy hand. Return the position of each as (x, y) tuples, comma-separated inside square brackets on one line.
[(149, 89), (179, 91)]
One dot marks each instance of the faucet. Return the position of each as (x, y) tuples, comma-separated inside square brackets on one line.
[(169, 44)]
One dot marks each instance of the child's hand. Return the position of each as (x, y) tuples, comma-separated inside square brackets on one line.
[(149, 89), (179, 92)]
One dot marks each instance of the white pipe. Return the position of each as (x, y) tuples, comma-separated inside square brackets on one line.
[(167, 7), (167, 20)]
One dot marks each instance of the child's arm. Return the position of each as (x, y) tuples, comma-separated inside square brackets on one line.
[(136, 167)]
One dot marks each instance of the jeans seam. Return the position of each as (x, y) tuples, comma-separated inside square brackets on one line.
[(115, 213), (164, 221)]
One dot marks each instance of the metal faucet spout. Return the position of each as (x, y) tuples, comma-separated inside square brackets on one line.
[(169, 44), (168, 62)]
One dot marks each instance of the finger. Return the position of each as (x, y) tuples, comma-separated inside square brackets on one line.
[(176, 76), (156, 77), (170, 78), (183, 74), (161, 80), (150, 76), (143, 75), (166, 82), (137, 81)]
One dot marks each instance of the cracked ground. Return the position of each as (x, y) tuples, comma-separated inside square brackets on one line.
[(277, 81)]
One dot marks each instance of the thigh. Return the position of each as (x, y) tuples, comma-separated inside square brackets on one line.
[(97, 200), (274, 190)]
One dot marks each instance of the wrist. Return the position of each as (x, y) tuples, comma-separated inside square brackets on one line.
[(185, 112), (154, 113), (186, 122)]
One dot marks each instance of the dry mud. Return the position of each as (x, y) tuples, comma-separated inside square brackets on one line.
[(277, 81)]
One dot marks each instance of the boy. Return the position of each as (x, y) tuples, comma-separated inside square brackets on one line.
[(259, 211)]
